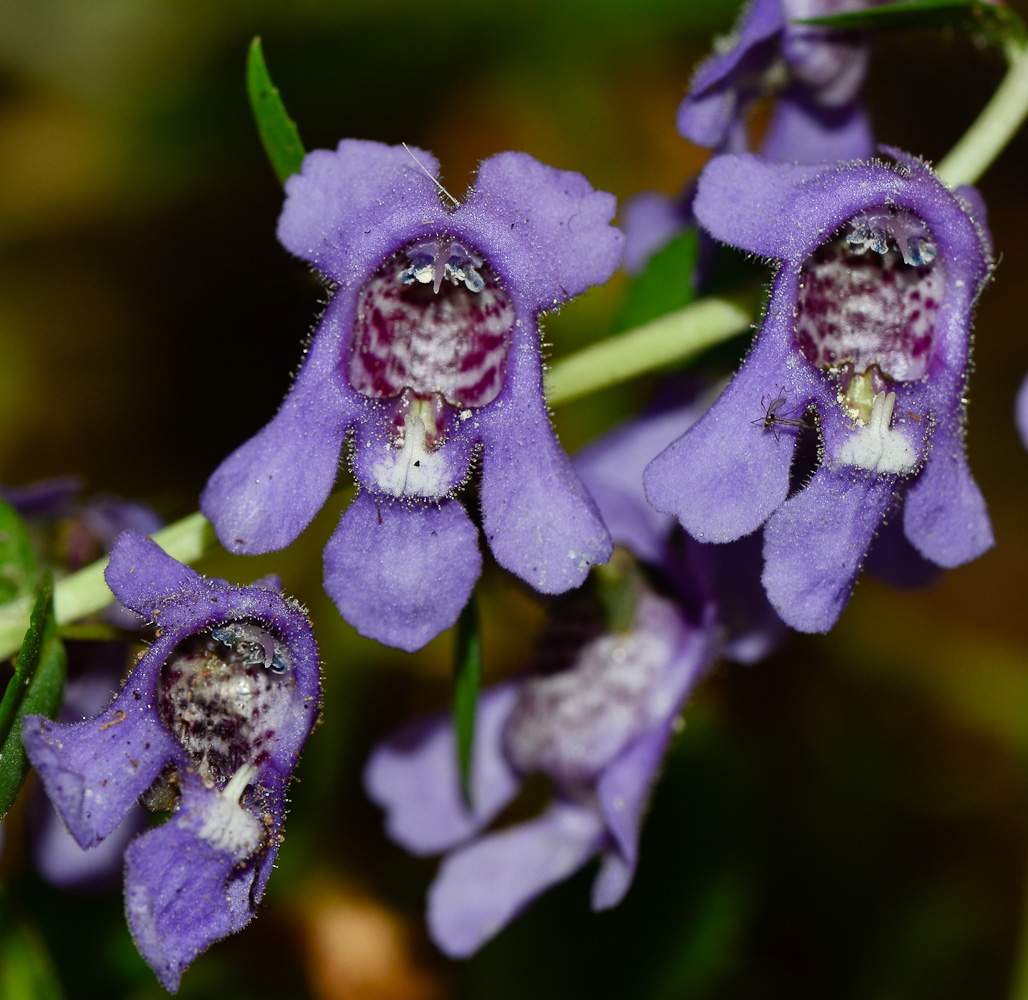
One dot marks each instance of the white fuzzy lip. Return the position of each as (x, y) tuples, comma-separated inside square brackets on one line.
[(413, 469), (228, 825), (877, 446)]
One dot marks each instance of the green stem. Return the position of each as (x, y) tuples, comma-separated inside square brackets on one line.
[(992, 129), (86, 592), (674, 337)]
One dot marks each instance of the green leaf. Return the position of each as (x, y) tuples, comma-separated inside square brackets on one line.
[(18, 567), (665, 285), (467, 679), (996, 24), (36, 686), (278, 131)]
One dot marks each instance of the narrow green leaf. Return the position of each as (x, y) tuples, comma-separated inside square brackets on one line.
[(996, 24), (17, 560), (665, 285), (37, 686), (278, 131), (467, 679), (617, 586)]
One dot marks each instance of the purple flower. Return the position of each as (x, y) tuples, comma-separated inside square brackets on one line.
[(209, 727), (595, 718), (817, 117), (427, 354), (866, 335), (598, 728)]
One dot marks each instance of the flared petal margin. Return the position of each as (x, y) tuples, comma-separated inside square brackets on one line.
[(540, 521), (482, 887), (624, 792), (399, 570), (725, 476), (801, 131), (714, 103), (182, 894), (269, 489), (816, 541), (94, 771), (944, 516), (413, 776), (547, 231), (344, 209)]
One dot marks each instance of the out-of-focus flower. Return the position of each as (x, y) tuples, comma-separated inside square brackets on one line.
[(817, 75), (428, 352), (209, 727), (595, 717), (816, 72), (867, 336)]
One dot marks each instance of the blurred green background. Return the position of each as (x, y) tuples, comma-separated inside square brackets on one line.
[(848, 819)]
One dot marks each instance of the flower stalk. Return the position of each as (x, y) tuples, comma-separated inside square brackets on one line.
[(992, 129)]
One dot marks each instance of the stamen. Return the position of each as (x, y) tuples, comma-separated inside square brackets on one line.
[(230, 826), (877, 446), (417, 470), (858, 399)]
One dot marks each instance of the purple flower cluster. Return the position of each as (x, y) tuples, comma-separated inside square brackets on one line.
[(208, 727), (427, 355)]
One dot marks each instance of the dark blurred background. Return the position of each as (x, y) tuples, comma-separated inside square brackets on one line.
[(848, 819)]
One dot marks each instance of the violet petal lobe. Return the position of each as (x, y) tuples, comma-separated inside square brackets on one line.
[(623, 792), (945, 516), (718, 88), (93, 772), (776, 192), (612, 470), (413, 776), (547, 231), (539, 519), (344, 209), (269, 489), (815, 543), (400, 571), (480, 888), (142, 575), (176, 897), (725, 476), (1021, 412)]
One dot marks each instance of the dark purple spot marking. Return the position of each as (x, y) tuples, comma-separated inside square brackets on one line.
[(867, 309), (452, 342), (222, 700)]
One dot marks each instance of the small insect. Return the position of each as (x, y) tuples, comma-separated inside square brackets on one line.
[(772, 420)]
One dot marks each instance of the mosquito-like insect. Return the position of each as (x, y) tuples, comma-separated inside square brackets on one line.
[(772, 420)]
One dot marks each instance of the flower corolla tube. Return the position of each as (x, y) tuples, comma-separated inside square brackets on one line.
[(207, 729), (427, 355), (865, 341)]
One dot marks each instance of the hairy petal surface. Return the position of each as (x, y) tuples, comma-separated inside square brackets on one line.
[(400, 571)]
